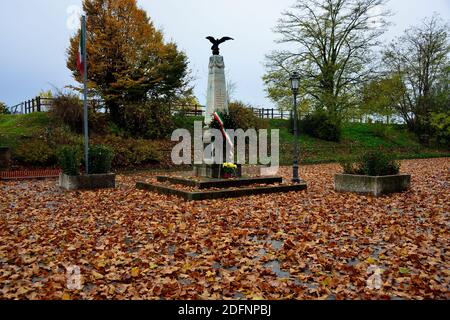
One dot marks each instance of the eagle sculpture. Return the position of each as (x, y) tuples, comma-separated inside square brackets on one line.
[(216, 43)]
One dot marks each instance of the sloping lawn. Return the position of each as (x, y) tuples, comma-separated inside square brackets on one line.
[(356, 139), (15, 127)]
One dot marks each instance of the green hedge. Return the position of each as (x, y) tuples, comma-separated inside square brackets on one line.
[(100, 159), (373, 163)]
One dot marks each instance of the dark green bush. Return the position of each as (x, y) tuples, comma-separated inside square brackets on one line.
[(348, 166), (149, 120), (62, 135), (70, 160), (35, 152), (440, 122), (373, 163), (240, 116), (228, 121), (100, 159), (378, 164), (321, 126), (130, 152), (67, 109), (244, 118), (380, 130)]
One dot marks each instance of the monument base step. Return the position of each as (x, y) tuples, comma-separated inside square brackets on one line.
[(220, 194), (206, 183)]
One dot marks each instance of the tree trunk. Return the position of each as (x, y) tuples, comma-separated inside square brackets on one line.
[(113, 108)]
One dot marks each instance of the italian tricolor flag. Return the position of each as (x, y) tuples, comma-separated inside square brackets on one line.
[(80, 57), (225, 134)]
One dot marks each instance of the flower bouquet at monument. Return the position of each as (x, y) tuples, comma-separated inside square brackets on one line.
[(229, 170)]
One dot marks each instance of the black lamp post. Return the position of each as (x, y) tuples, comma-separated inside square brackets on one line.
[(295, 80)]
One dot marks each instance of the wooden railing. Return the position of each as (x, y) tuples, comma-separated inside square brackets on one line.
[(37, 104), (272, 113), (188, 110), (41, 104)]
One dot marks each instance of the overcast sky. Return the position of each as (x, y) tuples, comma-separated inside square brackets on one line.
[(35, 34)]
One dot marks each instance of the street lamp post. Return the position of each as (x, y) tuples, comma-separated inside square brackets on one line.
[(295, 80)]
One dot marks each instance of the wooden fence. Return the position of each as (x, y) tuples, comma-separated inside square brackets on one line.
[(41, 104), (272, 113), (37, 104)]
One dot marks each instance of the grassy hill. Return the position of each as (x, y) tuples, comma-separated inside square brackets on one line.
[(14, 128), (356, 138)]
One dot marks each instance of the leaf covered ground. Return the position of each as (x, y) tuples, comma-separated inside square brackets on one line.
[(315, 244)]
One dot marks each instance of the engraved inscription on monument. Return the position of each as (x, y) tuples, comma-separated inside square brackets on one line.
[(216, 100)]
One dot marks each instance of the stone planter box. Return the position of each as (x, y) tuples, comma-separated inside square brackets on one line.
[(5, 158), (373, 185), (87, 182)]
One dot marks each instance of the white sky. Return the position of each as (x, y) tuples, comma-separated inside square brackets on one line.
[(34, 39)]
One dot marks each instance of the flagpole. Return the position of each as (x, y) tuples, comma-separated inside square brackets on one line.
[(85, 93)]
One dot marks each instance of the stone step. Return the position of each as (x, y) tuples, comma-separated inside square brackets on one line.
[(206, 183), (220, 194)]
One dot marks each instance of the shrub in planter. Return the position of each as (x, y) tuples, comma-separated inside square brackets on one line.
[(100, 159), (375, 173), (378, 164), (70, 160), (373, 163)]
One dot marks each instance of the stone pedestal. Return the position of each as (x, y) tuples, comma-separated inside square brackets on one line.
[(217, 99), (213, 171)]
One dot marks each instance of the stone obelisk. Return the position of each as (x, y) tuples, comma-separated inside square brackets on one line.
[(217, 100)]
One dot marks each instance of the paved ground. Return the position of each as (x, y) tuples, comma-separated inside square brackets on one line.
[(305, 245)]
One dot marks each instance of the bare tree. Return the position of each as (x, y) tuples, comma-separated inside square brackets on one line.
[(421, 58), (231, 89), (330, 44)]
